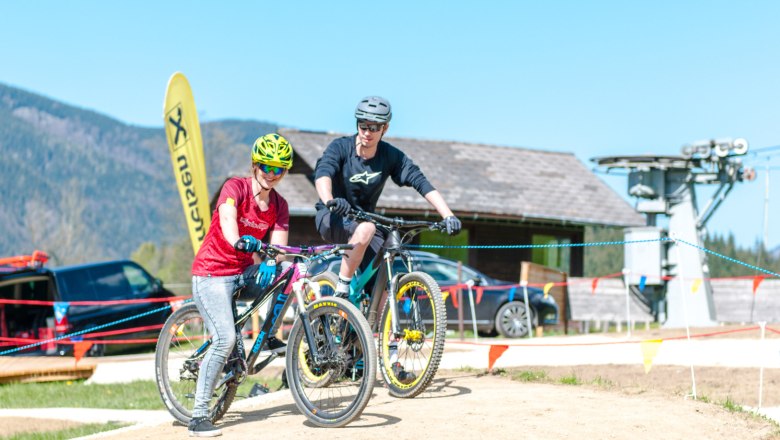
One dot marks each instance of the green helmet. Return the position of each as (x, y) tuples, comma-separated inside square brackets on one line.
[(273, 149)]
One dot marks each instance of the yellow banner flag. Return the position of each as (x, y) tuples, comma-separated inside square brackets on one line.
[(695, 286), (186, 147), (547, 288), (649, 350)]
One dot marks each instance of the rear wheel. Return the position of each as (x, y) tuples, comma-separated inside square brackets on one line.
[(410, 354), (345, 363), (512, 320), (178, 358)]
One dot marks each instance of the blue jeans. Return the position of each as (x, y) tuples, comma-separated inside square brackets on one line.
[(214, 298)]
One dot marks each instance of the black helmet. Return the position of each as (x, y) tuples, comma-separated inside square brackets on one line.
[(373, 108)]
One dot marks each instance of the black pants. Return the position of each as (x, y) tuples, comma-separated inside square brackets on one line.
[(336, 229)]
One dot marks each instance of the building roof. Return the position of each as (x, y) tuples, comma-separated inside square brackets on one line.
[(479, 181)]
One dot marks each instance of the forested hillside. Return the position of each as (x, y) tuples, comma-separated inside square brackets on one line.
[(86, 187)]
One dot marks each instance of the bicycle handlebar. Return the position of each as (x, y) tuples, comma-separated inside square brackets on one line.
[(304, 251), (395, 221)]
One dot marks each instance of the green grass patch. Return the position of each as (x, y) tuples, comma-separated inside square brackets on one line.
[(732, 406), (140, 394), (530, 376), (570, 380), (78, 431)]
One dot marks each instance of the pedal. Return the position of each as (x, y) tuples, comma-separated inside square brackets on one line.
[(258, 390)]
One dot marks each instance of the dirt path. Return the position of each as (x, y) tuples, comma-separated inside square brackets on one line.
[(468, 405)]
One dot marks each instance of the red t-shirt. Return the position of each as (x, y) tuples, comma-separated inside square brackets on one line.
[(216, 256)]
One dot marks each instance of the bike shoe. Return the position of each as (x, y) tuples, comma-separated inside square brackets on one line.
[(202, 427), (274, 345), (403, 376)]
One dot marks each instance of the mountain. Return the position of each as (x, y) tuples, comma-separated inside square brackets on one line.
[(84, 187)]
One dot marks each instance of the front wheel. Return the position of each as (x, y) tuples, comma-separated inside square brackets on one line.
[(181, 346), (410, 352), (332, 379)]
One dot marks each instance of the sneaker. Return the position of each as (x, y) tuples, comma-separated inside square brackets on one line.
[(202, 427), (403, 376), (274, 345)]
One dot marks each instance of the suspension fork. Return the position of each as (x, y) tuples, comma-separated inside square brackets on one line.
[(316, 356)]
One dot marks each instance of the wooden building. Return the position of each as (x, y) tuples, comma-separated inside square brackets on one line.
[(503, 196)]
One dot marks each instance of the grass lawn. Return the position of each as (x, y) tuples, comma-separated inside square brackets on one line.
[(79, 431), (76, 394)]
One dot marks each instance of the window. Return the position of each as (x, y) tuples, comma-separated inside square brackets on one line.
[(76, 286), (110, 283), (140, 283), (445, 272), (555, 257)]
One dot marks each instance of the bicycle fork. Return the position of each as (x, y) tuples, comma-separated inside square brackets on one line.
[(317, 357)]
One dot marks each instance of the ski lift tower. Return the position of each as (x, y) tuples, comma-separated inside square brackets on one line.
[(666, 185)]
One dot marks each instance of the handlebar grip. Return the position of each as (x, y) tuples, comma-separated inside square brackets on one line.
[(240, 246)]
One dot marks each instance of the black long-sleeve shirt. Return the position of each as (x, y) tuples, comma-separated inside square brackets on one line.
[(361, 181)]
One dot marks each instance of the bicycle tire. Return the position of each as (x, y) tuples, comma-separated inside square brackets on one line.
[(177, 386), (419, 346), (327, 281), (352, 368)]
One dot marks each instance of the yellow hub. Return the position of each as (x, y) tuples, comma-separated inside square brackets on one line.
[(413, 335)]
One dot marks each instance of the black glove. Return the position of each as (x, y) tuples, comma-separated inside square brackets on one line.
[(247, 243), (339, 206), (452, 224)]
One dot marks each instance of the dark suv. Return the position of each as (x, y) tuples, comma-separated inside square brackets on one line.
[(114, 280), (500, 310)]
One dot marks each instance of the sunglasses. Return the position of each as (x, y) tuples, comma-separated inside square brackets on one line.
[(270, 169), (373, 128)]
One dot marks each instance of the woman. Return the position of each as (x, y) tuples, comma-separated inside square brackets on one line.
[(248, 210)]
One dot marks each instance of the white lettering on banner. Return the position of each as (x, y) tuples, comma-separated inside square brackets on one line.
[(189, 193)]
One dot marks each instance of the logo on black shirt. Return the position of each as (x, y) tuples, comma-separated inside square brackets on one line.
[(364, 177)]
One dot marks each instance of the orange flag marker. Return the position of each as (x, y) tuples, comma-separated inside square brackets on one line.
[(80, 348), (495, 352), (756, 283)]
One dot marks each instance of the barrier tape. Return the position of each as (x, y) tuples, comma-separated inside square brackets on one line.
[(521, 344), (451, 289)]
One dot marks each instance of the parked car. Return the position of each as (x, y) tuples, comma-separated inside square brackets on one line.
[(499, 311), (115, 280)]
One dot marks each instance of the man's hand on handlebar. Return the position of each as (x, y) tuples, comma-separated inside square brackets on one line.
[(339, 206), (452, 225), (247, 243)]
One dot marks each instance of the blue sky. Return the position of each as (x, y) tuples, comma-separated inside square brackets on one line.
[(594, 78)]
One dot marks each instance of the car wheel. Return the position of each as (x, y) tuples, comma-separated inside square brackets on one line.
[(511, 320), (96, 350)]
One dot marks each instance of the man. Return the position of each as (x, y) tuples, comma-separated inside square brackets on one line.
[(352, 173)]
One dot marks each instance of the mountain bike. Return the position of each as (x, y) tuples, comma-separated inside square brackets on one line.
[(329, 336), (412, 320)]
